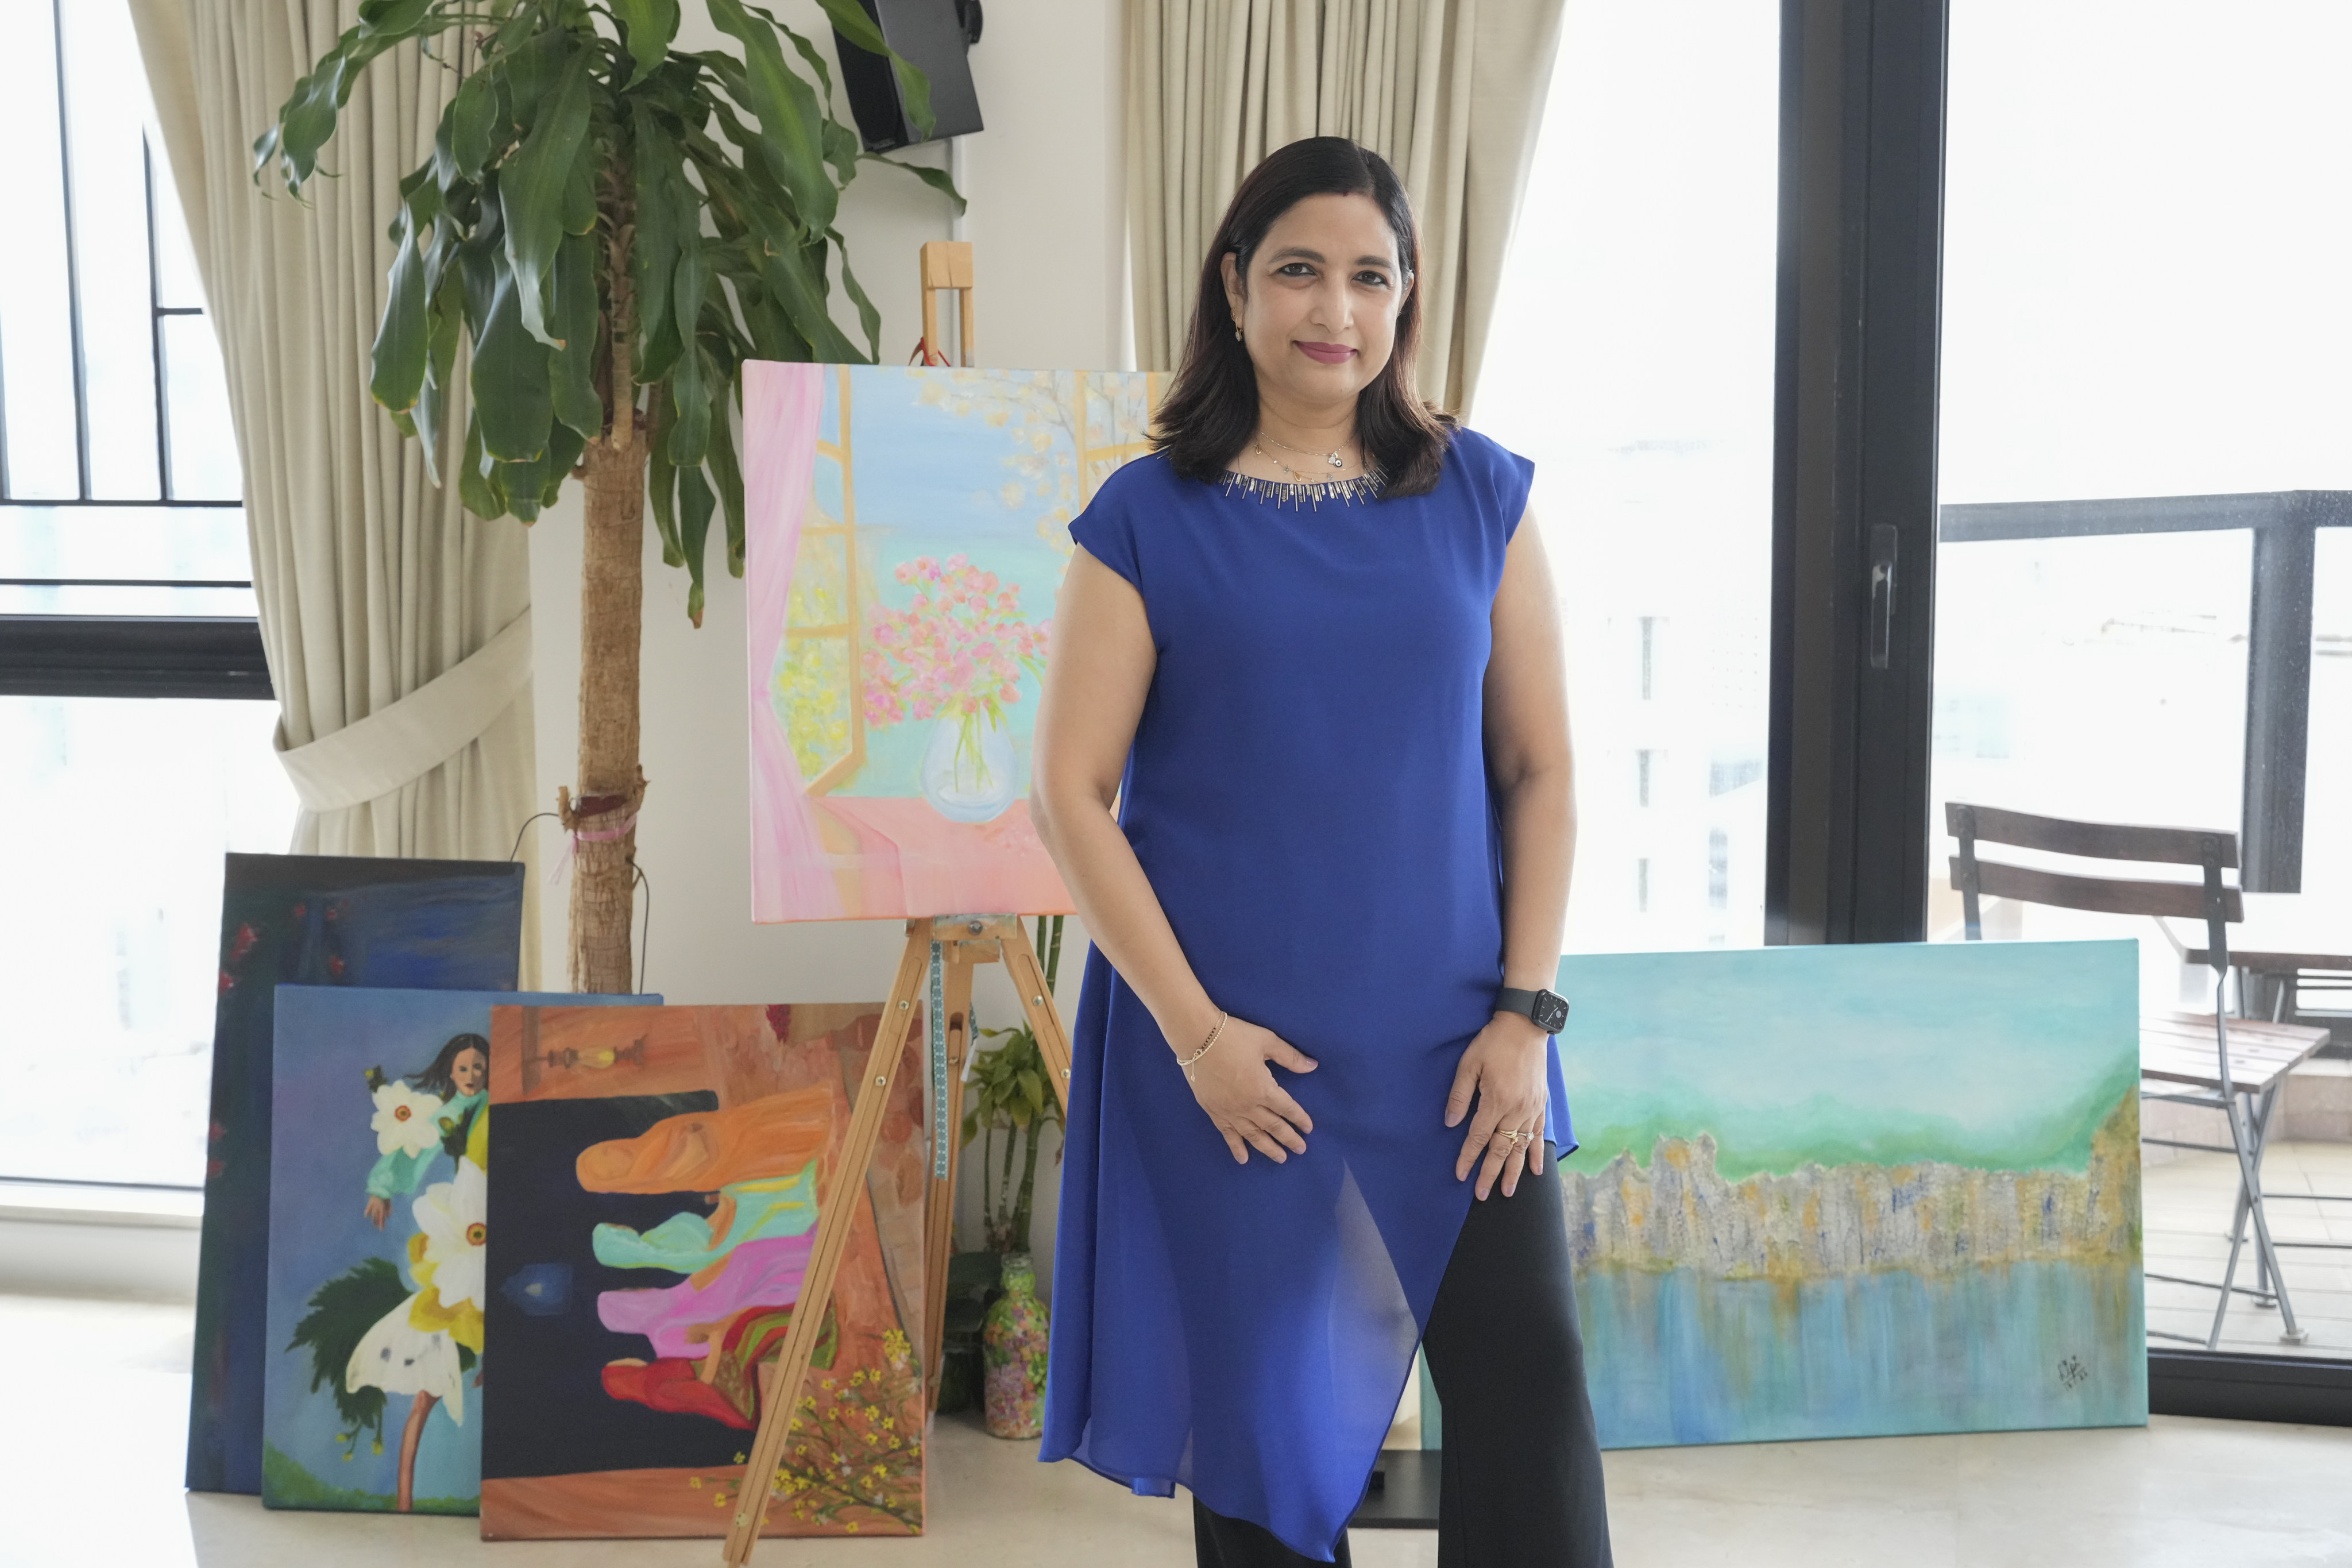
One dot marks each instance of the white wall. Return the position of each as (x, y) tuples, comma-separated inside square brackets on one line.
[(1045, 186)]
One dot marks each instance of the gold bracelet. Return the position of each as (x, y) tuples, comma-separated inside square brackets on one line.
[(1187, 1063)]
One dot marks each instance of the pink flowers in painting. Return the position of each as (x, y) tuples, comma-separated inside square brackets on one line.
[(959, 649)]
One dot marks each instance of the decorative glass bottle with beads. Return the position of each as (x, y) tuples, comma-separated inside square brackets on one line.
[(1012, 1345)]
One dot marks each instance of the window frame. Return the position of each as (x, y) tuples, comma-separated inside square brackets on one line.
[(121, 655), (1855, 533)]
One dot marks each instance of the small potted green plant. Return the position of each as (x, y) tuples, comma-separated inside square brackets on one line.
[(1009, 1103)]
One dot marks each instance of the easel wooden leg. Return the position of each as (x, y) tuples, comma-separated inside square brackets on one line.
[(835, 1208), (1037, 1001), (965, 940)]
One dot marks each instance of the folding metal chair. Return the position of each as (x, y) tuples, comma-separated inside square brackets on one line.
[(2235, 1066)]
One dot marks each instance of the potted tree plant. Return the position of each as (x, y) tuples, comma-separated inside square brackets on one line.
[(612, 225)]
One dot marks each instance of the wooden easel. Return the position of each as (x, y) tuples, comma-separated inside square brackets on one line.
[(947, 264), (959, 941), (934, 983)]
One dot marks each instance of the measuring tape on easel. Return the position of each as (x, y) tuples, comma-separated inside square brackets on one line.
[(940, 1149)]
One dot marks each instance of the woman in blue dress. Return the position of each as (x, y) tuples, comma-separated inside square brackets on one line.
[(1309, 655)]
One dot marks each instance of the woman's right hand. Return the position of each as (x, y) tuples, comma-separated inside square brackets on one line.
[(1246, 1106), (378, 1211)]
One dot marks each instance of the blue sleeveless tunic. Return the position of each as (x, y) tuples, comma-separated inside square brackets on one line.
[(1307, 793)]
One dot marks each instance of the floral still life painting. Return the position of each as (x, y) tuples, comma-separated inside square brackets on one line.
[(378, 1212), (1856, 1191), (306, 919), (906, 530), (659, 1173)]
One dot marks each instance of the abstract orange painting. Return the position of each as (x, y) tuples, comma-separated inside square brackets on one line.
[(647, 1240)]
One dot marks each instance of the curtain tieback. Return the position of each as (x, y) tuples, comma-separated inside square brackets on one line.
[(376, 756)]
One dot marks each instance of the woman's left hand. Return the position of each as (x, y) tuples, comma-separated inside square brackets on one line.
[(1506, 1068)]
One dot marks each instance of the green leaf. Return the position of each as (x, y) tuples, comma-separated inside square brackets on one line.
[(842, 150), (850, 20), (579, 190), (398, 356), (646, 27), (653, 254), (789, 114), (473, 121), (800, 288), (730, 475), (689, 435), (521, 483), (474, 486), (869, 317), (564, 446), (532, 190), (576, 309), (935, 178), (1035, 1087), (532, 68), (510, 381), (307, 119), (447, 320), (695, 501), (661, 476)]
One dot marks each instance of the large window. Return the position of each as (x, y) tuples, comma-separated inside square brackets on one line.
[(2144, 608), (126, 627), (1633, 359)]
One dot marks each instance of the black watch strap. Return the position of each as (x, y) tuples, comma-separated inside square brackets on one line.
[(1547, 1009)]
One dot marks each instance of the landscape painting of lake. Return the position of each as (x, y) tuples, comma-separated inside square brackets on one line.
[(1856, 1191)]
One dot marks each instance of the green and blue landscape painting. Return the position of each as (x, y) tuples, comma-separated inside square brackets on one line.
[(1856, 1191)]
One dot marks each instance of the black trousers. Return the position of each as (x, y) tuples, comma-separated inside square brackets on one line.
[(1521, 1473)]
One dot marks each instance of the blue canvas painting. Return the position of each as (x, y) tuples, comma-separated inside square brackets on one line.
[(306, 919), (1856, 1191), (378, 1214)]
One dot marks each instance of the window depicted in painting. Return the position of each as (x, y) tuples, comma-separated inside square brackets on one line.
[(909, 529)]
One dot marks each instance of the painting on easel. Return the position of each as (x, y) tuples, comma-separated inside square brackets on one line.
[(378, 1169), (659, 1174), (906, 529)]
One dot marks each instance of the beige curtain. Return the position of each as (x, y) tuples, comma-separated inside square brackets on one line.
[(397, 625), (1449, 91)]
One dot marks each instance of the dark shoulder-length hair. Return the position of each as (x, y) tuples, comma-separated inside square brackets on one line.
[(441, 1077), (1212, 411)]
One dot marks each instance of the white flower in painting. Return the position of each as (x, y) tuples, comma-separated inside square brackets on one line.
[(401, 1358), (455, 1218), (406, 1119)]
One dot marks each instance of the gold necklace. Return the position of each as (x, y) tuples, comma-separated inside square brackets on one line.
[(1331, 457), (1296, 476)]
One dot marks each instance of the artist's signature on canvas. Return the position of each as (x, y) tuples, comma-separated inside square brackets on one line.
[(2072, 1374)]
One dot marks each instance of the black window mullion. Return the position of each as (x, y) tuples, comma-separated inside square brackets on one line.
[(132, 656), (1854, 469), (73, 257), (155, 313)]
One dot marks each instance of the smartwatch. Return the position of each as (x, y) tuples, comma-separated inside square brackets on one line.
[(1548, 1008)]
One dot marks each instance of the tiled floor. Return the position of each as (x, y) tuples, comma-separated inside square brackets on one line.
[(2185, 1205), (97, 1396)]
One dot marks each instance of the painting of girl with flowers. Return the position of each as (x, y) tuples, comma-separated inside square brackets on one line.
[(906, 530), (378, 1218)]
